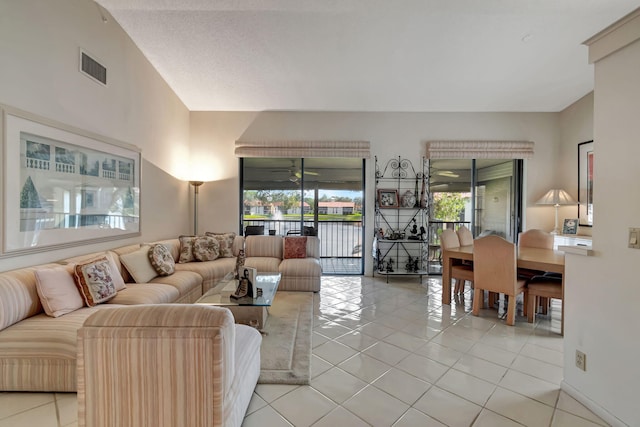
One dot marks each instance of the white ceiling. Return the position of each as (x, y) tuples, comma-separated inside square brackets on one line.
[(370, 55)]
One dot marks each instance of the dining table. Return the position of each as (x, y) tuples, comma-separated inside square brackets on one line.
[(531, 258)]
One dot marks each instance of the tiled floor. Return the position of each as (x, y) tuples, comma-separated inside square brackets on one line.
[(392, 355)]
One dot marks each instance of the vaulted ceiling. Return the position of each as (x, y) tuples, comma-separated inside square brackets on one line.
[(369, 55)]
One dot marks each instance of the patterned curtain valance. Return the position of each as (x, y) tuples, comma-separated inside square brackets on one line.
[(304, 149), (479, 149)]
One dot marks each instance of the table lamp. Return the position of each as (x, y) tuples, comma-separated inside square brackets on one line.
[(557, 198)]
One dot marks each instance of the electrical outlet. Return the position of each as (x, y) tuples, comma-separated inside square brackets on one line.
[(581, 360)]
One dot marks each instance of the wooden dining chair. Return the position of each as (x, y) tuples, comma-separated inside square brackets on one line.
[(535, 238), (465, 237), (495, 270), (459, 272), (545, 288)]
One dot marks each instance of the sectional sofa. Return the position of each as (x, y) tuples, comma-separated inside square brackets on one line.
[(38, 352)]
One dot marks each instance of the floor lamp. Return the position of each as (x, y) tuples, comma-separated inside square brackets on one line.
[(196, 186), (557, 198)]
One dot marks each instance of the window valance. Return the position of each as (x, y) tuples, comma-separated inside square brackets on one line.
[(479, 150), (303, 149)]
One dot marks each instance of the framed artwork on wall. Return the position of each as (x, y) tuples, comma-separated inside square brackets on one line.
[(64, 186), (585, 183)]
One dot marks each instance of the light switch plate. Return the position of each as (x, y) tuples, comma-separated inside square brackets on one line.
[(634, 238)]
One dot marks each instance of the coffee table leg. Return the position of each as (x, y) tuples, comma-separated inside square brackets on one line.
[(248, 315)]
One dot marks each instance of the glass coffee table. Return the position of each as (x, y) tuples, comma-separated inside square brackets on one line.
[(247, 310)]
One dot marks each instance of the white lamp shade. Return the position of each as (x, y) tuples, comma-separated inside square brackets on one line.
[(556, 197)]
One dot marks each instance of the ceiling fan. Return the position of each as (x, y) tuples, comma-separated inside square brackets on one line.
[(294, 173)]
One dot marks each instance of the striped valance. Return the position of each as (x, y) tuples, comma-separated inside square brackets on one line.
[(303, 149), (479, 149)]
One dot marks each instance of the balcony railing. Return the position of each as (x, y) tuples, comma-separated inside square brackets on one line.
[(338, 239)]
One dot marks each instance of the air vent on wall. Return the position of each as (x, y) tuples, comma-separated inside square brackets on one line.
[(92, 68)]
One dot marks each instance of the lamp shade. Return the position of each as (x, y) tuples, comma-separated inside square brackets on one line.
[(556, 197)]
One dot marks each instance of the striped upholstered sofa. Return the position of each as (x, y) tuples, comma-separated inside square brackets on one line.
[(38, 352), (300, 267)]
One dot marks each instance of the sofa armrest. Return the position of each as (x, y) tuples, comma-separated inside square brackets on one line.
[(313, 247), (160, 361)]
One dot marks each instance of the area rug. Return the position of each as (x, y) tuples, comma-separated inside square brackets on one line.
[(285, 355)]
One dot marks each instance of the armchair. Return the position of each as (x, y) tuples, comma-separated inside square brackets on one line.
[(165, 365)]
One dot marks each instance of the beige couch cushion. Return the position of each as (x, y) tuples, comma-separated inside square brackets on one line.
[(18, 295), (39, 353), (188, 284), (263, 246), (145, 293), (210, 271)]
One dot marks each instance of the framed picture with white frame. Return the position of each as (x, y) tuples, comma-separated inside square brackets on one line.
[(64, 186)]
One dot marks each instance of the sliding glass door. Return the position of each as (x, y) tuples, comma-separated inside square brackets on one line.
[(322, 196), (485, 195)]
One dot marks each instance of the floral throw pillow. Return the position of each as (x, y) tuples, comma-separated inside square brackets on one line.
[(94, 281), (186, 249), (161, 260), (206, 248), (295, 247), (226, 243)]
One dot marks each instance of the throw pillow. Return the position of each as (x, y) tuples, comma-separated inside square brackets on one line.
[(295, 247), (57, 291), (161, 260), (226, 243), (206, 248), (118, 281), (138, 265), (186, 249), (94, 281)]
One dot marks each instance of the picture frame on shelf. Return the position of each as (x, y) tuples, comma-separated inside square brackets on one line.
[(387, 198), (64, 186), (570, 226), (585, 183)]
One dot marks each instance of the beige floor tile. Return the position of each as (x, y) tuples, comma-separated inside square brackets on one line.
[(331, 330), (565, 419), (318, 366), (357, 340), (491, 419), (376, 407), (445, 355), (466, 386), (493, 354), (376, 330), (271, 392), (318, 339), (364, 367), (405, 341), (413, 418), (256, 403), (340, 417), (387, 353), (338, 385), (67, 404), (303, 406), (402, 386), (480, 368), (572, 406), (334, 352), (423, 368), (536, 368), (454, 341), (543, 354), (520, 408), (266, 417), (13, 403), (447, 408), (41, 416), (535, 388)]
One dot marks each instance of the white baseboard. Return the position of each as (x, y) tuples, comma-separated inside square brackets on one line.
[(592, 406)]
